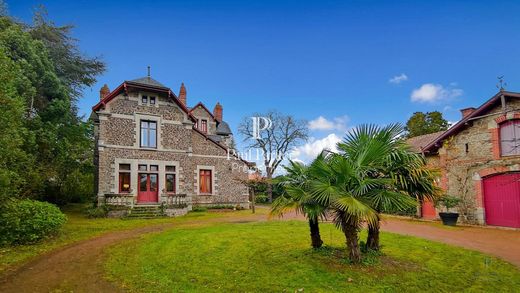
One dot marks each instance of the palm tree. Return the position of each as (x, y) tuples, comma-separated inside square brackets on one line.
[(411, 176), (342, 183), (296, 197), (408, 178)]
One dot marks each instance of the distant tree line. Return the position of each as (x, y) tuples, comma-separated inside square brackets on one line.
[(45, 147), (424, 123)]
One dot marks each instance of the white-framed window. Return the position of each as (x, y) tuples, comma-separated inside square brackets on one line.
[(148, 134), (170, 179), (205, 176), (124, 178)]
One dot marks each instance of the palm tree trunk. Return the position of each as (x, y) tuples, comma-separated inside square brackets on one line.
[(316, 241), (350, 229), (373, 237), (373, 234)]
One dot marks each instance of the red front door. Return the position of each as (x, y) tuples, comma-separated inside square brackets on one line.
[(148, 187), (502, 200)]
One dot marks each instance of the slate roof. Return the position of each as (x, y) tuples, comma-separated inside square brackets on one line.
[(223, 128), (216, 138), (418, 143), (148, 81)]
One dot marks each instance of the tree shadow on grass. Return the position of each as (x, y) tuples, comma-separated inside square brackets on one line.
[(373, 262)]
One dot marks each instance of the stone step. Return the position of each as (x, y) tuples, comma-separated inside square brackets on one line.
[(145, 212)]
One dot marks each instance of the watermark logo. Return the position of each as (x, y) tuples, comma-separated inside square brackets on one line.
[(259, 124)]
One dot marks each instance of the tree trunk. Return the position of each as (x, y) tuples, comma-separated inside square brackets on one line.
[(373, 237), (316, 241), (350, 229), (253, 199), (269, 185)]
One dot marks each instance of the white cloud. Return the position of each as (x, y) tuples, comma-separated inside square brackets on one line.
[(308, 152), (430, 92), (398, 78), (322, 123)]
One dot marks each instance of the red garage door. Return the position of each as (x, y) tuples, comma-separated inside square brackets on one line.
[(502, 200)]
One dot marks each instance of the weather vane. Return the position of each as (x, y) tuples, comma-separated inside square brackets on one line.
[(501, 83)]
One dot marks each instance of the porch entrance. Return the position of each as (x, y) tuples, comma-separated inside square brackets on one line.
[(148, 188)]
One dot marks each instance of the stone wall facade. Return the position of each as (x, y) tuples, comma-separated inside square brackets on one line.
[(471, 155), (117, 134)]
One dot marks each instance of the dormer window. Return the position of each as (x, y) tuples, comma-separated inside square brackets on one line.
[(204, 126), (510, 138)]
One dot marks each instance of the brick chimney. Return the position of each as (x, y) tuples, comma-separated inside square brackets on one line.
[(182, 94), (467, 111), (103, 92), (217, 112)]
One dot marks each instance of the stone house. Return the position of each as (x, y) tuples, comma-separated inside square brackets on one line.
[(479, 161), (152, 149)]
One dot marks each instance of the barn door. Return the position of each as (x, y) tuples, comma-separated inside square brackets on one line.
[(502, 200)]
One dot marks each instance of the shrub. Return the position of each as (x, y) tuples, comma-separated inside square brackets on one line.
[(409, 211), (27, 221), (448, 202), (261, 198), (199, 209), (100, 211)]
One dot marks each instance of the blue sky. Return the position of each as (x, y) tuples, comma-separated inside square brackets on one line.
[(328, 59)]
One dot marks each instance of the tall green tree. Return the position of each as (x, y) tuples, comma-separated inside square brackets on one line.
[(297, 197), (13, 131), (424, 123), (46, 73), (75, 70)]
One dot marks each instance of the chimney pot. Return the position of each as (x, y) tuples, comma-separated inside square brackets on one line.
[(182, 94), (103, 92), (217, 112), (467, 111)]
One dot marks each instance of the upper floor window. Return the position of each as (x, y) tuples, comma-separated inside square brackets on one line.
[(148, 100), (204, 126), (148, 134), (510, 138)]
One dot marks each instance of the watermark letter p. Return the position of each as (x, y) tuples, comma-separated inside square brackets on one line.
[(259, 124)]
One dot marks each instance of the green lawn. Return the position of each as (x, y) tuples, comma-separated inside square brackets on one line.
[(276, 257), (79, 227)]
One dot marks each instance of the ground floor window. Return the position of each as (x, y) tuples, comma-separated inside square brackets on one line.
[(124, 178), (205, 185), (170, 179)]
